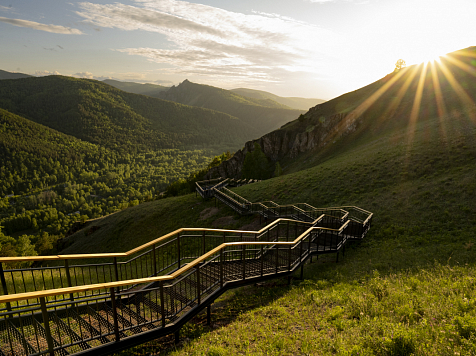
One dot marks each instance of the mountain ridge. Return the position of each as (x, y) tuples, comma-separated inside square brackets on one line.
[(252, 111), (292, 102)]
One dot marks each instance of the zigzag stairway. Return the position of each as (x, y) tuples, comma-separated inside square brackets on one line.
[(106, 302)]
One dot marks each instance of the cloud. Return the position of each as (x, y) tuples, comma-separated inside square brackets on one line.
[(213, 41), (41, 27), (89, 75), (42, 73), (86, 75), (5, 8), (59, 47)]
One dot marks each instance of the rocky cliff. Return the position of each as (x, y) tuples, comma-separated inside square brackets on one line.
[(313, 130)]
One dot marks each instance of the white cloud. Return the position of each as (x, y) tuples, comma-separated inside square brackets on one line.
[(213, 41), (86, 75), (41, 27), (42, 73)]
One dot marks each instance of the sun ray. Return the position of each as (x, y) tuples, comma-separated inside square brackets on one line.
[(358, 111), (416, 107), (466, 67), (440, 103), (462, 94), (411, 73)]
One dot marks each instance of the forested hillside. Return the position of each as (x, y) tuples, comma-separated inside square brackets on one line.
[(49, 180), (98, 113), (264, 115)]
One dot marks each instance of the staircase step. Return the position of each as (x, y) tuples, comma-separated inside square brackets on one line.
[(71, 334), (13, 342), (82, 324), (102, 322)]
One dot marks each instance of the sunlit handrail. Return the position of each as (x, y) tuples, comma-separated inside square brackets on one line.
[(194, 263)]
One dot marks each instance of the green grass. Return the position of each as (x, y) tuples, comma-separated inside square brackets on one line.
[(409, 288)]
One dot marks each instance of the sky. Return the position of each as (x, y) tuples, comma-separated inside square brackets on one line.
[(304, 48)]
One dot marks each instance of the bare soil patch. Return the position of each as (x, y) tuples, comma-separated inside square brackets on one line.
[(224, 221), (208, 212)]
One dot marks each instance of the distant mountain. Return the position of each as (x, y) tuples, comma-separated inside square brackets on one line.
[(137, 88), (98, 113), (264, 115), (9, 75), (292, 102)]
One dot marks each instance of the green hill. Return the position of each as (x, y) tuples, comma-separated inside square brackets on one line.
[(396, 102), (98, 113), (264, 115), (409, 287), (9, 75), (136, 88), (292, 102)]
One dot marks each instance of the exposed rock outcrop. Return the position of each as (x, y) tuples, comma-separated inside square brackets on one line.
[(310, 131)]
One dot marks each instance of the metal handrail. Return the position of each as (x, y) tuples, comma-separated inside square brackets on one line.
[(59, 291)]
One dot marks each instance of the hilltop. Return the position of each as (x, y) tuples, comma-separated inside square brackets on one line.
[(395, 102)]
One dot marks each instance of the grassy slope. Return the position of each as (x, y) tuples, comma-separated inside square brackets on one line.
[(409, 288)]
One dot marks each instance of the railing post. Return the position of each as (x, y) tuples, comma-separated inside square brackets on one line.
[(203, 242), (46, 323), (289, 258), (154, 256), (4, 286), (221, 268), (287, 231), (116, 271), (68, 277), (198, 284), (309, 248), (261, 261), (178, 250), (243, 259), (114, 314), (162, 303), (300, 250)]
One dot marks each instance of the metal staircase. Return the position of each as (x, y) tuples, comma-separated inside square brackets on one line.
[(107, 302)]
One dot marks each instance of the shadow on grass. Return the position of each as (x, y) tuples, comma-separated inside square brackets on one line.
[(224, 311)]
